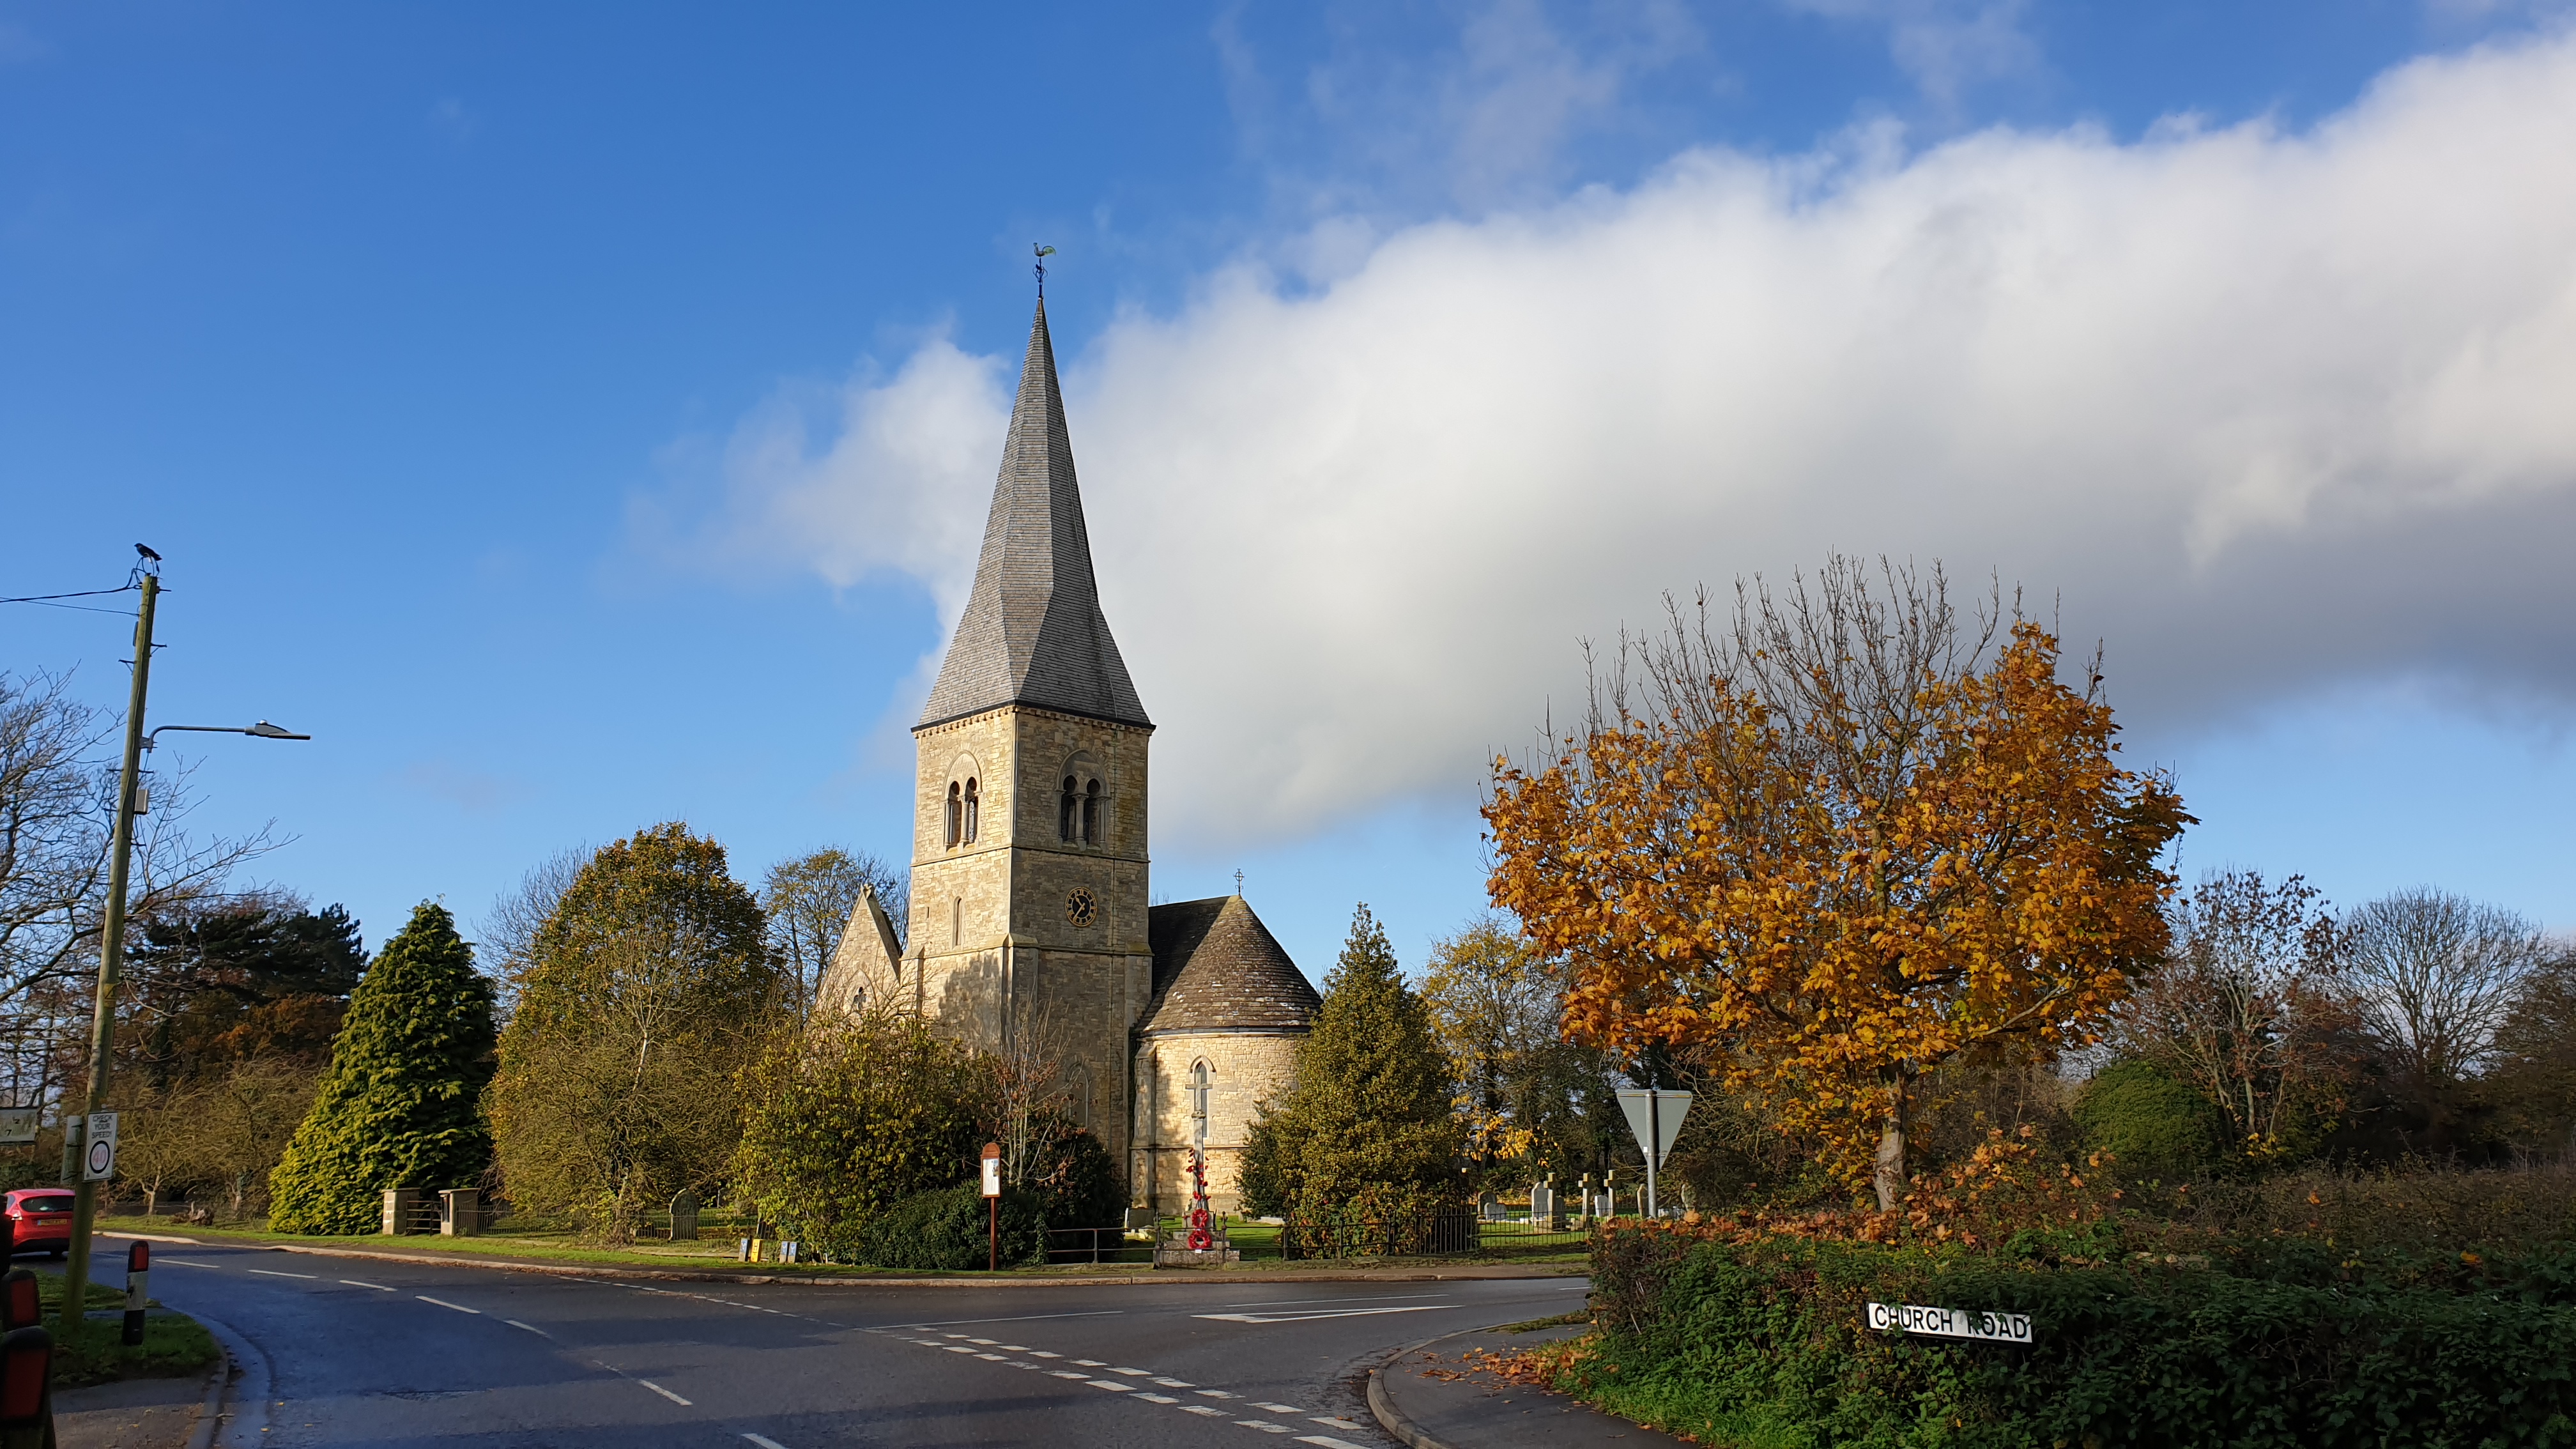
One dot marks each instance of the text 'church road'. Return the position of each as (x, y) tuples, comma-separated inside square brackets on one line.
[(410, 1354)]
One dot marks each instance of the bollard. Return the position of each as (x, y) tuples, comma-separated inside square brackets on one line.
[(19, 1300), (138, 1275), (27, 1389)]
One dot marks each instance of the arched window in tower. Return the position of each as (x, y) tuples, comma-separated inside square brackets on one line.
[(970, 812), (1078, 1093), (1091, 814), (1068, 812), (956, 814)]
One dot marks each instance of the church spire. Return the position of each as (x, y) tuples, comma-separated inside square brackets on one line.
[(1033, 632)]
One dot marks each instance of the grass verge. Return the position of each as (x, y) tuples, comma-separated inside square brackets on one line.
[(541, 1246), (174, 1345)]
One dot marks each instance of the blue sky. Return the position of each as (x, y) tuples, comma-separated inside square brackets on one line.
[(568, 414)]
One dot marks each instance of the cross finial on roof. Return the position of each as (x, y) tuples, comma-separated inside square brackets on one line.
[(1238, 882)]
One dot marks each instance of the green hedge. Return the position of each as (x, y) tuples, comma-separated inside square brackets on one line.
[(1758, 1341), (949, 1229)]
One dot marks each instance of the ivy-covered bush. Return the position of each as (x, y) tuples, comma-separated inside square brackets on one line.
[(1751, 1334), (949, 1229)]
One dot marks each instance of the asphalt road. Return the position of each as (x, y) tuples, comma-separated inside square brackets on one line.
[(360, 1352)]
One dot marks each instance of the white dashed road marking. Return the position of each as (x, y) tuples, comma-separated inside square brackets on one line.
[(1327, 1441), (1265, 1426), (1324, 1313), (665, 1393), (379, 1287), (187, 1262), (1176, 1383), (443, 1303), (765, 1442), (530, 1327), (1202, 1409), (1280, 1408), (273, 1273)]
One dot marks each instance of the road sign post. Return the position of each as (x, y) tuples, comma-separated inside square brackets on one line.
[(993, 1199), (1655, 1116)]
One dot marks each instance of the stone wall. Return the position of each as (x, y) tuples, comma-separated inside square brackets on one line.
[(1244, 1070)]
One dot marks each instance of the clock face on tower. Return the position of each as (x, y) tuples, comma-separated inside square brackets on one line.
[(1081, 907)]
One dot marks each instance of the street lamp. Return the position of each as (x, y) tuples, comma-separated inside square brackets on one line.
[(111, 949)]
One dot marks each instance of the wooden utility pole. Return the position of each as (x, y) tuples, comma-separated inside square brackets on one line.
[(111, 954)]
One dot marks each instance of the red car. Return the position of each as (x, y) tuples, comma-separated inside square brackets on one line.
[(42, 1219)]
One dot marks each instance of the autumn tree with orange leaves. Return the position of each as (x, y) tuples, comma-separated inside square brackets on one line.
[(1836, 843)]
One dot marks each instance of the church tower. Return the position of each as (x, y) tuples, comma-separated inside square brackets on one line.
[(1028, 859)]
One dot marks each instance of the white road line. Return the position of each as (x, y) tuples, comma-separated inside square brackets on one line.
[(1202, 1409), (1113, 1386), (1281, 1408), (1020, 1318), (379, 1287), (1355, 1298), (443, 1303), (1012, 1347), (665, 1393), (764, 1441), (994, 1357), (988, 1343), (1042, 1353), (1327, 1441), (1156, 1398), (1132, 1373), (1089, 1363), (1070, 1374), (188, 1262), (1331, 1423), (1325, 1313), (273, 1273), (1265, 1426), (530, 1327), (1176, 1383), (1214, 1394)]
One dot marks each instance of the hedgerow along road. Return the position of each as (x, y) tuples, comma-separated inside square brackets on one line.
[(358, 1351)]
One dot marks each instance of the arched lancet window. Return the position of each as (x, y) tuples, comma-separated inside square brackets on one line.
[(971, 803), (956, 814), (1067, 814), (1091, 814), (957, 921), (1199, 1099), (1078, 1088)]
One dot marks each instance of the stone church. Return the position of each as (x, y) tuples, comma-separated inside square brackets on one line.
[(1030, 872)]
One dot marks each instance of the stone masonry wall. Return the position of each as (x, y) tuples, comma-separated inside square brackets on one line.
[(1244, 1070)]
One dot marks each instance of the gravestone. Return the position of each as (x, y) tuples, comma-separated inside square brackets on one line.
[(1543, 1206), (1489, 1207), (684, 1217)]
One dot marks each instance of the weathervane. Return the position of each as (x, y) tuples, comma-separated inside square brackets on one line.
[(1042, 254)]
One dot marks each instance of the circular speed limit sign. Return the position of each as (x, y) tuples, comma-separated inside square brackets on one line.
[(102, 1159)]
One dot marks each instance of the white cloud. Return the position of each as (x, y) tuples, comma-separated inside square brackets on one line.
[(2271, 410), (1945, 46)]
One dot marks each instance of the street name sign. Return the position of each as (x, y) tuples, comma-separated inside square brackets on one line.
[(1949, 1322)]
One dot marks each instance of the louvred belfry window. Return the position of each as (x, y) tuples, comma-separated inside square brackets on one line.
[(1066, 811), (1091, 814), (956, 814), (970, 812)]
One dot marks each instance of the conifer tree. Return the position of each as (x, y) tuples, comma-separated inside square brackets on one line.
[(1369, 1133), (402, 1103)]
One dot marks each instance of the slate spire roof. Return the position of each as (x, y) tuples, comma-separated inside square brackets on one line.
[(1033, 632), (1217, 968)]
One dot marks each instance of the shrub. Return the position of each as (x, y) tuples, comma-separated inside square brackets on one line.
[(848, 1116), (1077, 1183), (2156, 1126), (1753, 1335), (948, 1229)]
